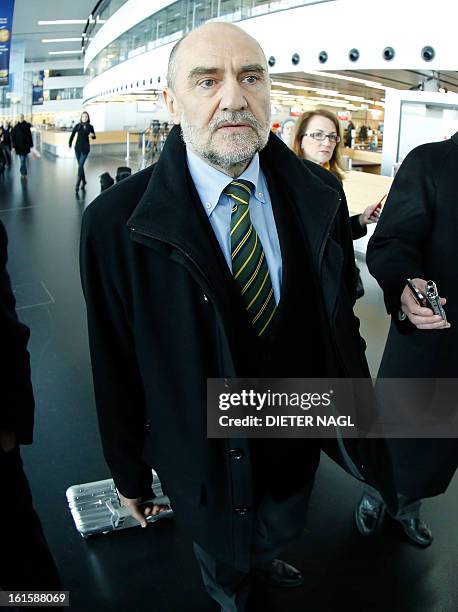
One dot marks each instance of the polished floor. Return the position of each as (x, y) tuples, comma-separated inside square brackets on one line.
[(154, 569)]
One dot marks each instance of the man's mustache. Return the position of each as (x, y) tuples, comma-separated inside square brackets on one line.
[(246, 118)]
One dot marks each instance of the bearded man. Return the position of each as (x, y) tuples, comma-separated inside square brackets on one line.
[(230, 257)]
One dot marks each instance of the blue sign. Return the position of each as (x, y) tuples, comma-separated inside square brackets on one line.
[(6, 32), (37, 88)]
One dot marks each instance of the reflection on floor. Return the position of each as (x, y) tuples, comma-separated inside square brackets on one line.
[(155, 569)]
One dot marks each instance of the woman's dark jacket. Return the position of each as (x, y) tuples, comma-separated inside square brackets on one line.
[(160, 323), (21, 136), (416, 237), (82, 132)]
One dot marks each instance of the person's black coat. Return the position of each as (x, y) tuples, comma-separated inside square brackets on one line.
[(160, 324), (416, 237), (17, 403), (82, 131), (22, 138)]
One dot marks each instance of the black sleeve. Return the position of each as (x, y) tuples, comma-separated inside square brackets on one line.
[(17, 404), (395, 250), (357, 230), (72, 135), (93, 131), (30, 137), (341, 230), (117, 383), (343, 234)]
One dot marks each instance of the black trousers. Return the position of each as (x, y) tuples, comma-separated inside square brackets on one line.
[(26, 563), (277, 526)]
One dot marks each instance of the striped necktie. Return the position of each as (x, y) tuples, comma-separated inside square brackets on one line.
[(249, 265)]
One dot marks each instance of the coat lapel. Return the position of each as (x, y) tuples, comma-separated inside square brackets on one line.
[(168, 212)]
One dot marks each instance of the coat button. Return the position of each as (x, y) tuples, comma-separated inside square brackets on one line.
[(241, 510), (226, 383), (205, 297), (148, 427), (236, 453)]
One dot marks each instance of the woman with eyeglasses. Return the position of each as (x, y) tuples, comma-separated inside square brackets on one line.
[(317, 138)]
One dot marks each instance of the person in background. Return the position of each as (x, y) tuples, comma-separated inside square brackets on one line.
[(83, 131), (27, 564), (363, 132), (5, 144), (2, 154), (287, 131), (416, 239), (317, 138), (348, 131), (22, 142)]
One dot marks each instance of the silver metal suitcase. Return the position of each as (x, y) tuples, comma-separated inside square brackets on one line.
[(96, 509)]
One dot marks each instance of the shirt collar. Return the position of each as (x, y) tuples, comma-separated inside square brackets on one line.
[(210, 182)]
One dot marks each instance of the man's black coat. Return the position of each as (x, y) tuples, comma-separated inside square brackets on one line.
[(22, 138), (160, 324), (17, 403), (417, 237)]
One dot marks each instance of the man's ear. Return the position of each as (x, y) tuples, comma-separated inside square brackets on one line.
[(171, 104)]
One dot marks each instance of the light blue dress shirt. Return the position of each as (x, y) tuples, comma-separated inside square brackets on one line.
[(210, 183)]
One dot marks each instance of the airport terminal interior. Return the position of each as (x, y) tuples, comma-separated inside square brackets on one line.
[(109, 59)]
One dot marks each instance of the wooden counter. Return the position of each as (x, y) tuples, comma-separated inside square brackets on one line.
[(363, 189), (369, 161), (55, 142), (58, 138)]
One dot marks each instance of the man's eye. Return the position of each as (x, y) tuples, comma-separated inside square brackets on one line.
[(251, 79), (207, 83)]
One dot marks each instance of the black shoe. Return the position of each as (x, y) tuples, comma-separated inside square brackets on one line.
[(280, 574), (417, 531), (369, 515)]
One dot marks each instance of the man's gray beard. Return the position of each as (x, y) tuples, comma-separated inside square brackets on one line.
[(240, 147)]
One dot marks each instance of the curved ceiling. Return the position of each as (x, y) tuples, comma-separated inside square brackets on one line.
[(27, 13)]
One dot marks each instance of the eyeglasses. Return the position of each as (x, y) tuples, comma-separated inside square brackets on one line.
[(320, 136)]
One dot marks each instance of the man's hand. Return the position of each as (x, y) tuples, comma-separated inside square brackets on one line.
[(137, 512), (7, 441), (422, 318)]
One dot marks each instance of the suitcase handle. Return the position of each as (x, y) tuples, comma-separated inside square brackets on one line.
[(117, 514)]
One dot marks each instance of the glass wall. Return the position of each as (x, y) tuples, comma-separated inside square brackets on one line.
[(69, 93), (64, 72), (102, 12), (172, 22)]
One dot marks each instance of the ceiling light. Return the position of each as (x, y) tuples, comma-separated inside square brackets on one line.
[(283, 84), (332, 75), (327, 92), (55, 40), (64, 52), (64, 22)]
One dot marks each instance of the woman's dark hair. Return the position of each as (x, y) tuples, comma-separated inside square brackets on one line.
[(335, 162), (88, 118)]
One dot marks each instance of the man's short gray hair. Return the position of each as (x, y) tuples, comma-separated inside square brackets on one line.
[(172, 65)]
